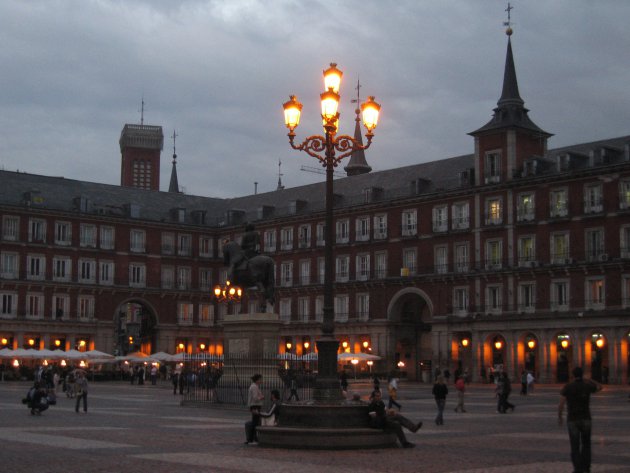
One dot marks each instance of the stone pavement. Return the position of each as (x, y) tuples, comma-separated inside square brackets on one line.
[(144, 429)]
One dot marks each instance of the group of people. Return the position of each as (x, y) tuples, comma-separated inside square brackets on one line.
[(41, 396)]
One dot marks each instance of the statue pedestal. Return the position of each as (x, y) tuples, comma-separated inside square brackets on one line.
[(251, 334)]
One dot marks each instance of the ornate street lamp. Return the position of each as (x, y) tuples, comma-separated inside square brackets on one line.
[(327, 386), (227, 292)]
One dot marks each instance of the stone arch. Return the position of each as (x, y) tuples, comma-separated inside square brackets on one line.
[(410, 346), (135, 326)]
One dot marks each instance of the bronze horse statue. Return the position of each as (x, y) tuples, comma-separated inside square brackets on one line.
[(246, 272)]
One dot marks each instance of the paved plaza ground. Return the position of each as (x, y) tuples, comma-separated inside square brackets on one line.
[(136, 429)]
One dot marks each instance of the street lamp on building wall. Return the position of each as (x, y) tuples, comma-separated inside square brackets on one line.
[(327, 386)]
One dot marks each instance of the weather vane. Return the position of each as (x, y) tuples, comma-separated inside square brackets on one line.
[(508, 23), (174, 136), (358, 99)]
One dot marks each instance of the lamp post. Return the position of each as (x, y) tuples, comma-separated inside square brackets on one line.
[(327, 387)]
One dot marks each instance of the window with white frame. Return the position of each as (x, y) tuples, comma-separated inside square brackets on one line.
[(205, 279), (526, 248), (341, 308), (595, 245), (527, 297), (525, 207), (594, 292), (493, 299), (87, 235), (184, 245), (593, 201), (85, 308), (184, 313), (363, 307), (441, 259), (303, 309), (560, 248), (380, 264), (362, 230), (440, 218), (35, 267), (380, 226), (270, 240), (34, 306), (60, 307), (624, 194), (494, 211), (285, 310), (87, 271), (10, 228), (168, 243), (183, 278), (494, 254), (304, 236), (558, 203), (625, 291), (206, 314), (409, 222), (319, 309), (409, 258), (559, 297), (624, 239), (63, 233), (286, 274), (137, 275), (107, 236), (305, 271), (137, 241), (461, 215), (205, 246), (286, 238), (168, 277), (320, 234), (492, 167), (363, 267), (461, 257), (37, 230), (62, 269), (8, 309), (342, 268), (343, 231), (9, 265), (460, 300), (106, 273)]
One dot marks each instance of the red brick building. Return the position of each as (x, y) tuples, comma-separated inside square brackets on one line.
[(514, 255)]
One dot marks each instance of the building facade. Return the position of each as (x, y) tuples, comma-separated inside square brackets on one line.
[(513, 257)]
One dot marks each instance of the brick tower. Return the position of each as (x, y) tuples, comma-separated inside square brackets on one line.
[(140, 147)]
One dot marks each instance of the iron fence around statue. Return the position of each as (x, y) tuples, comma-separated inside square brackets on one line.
[(225, 379)]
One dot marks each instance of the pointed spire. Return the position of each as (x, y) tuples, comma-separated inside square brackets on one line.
[(510, 111), (357, 164), (280, 186), (174, 185)]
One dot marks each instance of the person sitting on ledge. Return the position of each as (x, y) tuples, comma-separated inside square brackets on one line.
[(389, 420)]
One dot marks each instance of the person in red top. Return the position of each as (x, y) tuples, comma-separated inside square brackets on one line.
[(577, 395), (460, 386)]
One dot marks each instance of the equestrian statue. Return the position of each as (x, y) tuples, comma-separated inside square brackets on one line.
[(248, 268)]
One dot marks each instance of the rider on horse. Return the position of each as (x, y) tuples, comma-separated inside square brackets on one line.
[(250, 246)]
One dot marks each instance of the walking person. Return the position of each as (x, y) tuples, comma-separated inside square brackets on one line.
[(577, 396), (460, 386), (175, 380), (392, 391), (440, 390), (376, 383), (523, 383), (81, 386), (255, 399)]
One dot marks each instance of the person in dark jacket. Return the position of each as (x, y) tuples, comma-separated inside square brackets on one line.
[(440, 390), (389, 420)]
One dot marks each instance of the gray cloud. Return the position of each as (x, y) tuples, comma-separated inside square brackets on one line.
[(74, 72)]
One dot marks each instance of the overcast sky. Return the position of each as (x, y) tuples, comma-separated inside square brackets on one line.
[(72, 73)]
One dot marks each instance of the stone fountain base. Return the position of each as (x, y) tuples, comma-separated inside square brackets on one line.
[(333, 426)]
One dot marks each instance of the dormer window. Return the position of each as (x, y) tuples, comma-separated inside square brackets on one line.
[(492, 168)]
